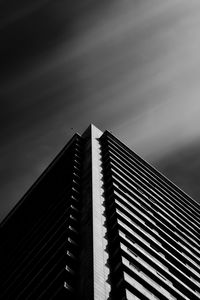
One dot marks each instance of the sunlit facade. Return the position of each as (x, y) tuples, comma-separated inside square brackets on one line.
[(101, 223), (153, 229)]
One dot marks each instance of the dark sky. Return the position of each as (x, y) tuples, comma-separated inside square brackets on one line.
[(129, 66)]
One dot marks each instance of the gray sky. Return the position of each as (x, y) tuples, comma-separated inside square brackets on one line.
[(129, 66)]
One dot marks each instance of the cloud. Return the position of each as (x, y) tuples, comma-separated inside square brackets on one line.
[(128, 66), (11, 11), (182, 167)]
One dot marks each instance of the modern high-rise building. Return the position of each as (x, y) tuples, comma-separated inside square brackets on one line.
[(101, 223)]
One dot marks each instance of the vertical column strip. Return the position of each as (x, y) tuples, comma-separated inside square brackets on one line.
[(100, 256)]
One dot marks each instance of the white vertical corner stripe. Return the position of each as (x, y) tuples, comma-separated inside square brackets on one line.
[(100, 256)]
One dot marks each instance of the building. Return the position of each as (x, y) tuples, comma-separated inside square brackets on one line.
[(101, 223)]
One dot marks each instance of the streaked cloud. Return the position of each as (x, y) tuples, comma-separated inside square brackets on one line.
[(129, 66)]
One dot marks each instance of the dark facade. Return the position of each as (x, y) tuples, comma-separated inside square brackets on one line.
[(101, 223)]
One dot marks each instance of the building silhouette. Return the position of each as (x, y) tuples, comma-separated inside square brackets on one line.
[(101, 223)]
